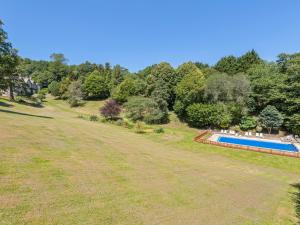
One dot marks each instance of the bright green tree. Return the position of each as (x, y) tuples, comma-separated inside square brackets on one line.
[(248, 123), (188, 91), (96, 85)]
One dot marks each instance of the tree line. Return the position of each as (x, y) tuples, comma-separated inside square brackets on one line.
[(244, 92)]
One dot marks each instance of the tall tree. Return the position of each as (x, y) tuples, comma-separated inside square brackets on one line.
[(228, 64), (9, 62), (271, 118), (247, 60)]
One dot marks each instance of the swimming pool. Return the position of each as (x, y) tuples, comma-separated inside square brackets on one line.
[(259, 144)]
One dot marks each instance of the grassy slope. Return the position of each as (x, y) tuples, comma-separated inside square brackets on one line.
[(60, 169)]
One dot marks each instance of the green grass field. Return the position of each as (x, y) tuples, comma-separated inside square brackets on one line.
[(57, 168)]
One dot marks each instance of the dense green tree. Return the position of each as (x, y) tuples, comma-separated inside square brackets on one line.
[(271, 118), (125, 89), (208, 115), (293, 124), (118, 75), (267, 86), (185, 69), (9, 61), (144, 109), (292, 88), (53, 88), (228, 64), (248, 60), (96, 85), (248, 123), (188, 91), (58, 67), (165, 78)]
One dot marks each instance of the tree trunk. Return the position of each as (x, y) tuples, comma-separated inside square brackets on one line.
[(11, 93)]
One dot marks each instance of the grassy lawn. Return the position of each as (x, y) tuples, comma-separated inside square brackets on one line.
[(59, 169)]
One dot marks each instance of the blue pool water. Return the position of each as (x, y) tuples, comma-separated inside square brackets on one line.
[(259, 144)]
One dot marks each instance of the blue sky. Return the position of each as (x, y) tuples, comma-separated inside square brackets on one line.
[(137, 33)]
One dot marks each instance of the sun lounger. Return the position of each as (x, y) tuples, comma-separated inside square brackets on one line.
[(261, 135), (257, 134), (246, 133), (249, 133)]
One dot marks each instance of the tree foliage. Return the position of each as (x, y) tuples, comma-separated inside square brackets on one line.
[(144, 109), (111, 109), (96, 85), (270, 118)]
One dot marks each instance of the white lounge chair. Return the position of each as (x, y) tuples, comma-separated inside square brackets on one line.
[(222, 131), (261, 135), (246, 134), (250, 134), (257, 134), (225, 131)]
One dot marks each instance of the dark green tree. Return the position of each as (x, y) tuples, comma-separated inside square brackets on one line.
[(228, 64), (271, 118), (9, 61)]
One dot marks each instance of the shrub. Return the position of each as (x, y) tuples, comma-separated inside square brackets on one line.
[(125, 89), (144, 109), (93, 118), (119, 122), (74, 94), (248, 123), (208, 115), (139, 127), (74, 102), (110, 110), (159, 130), (179, 109), (53, 88), (41, 97), (80, 116)]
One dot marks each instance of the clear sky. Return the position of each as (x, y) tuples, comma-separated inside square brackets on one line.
[(137, 33)]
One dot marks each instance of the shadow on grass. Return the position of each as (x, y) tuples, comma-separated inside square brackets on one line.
[(296, 198), (25, 114), (5, 104), (32, 104)]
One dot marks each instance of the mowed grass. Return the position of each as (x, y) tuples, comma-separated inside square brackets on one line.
[(59, 169)]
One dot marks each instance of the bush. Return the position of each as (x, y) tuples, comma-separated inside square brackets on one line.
[(179, 109), (119, 122), (74, 94), (139, 127), (144, 109), (248, 123), (125, 89), (53, 88), (93, 118), (111, 109), (74, 102), (208, 115), (42, 94), (159, 130)]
